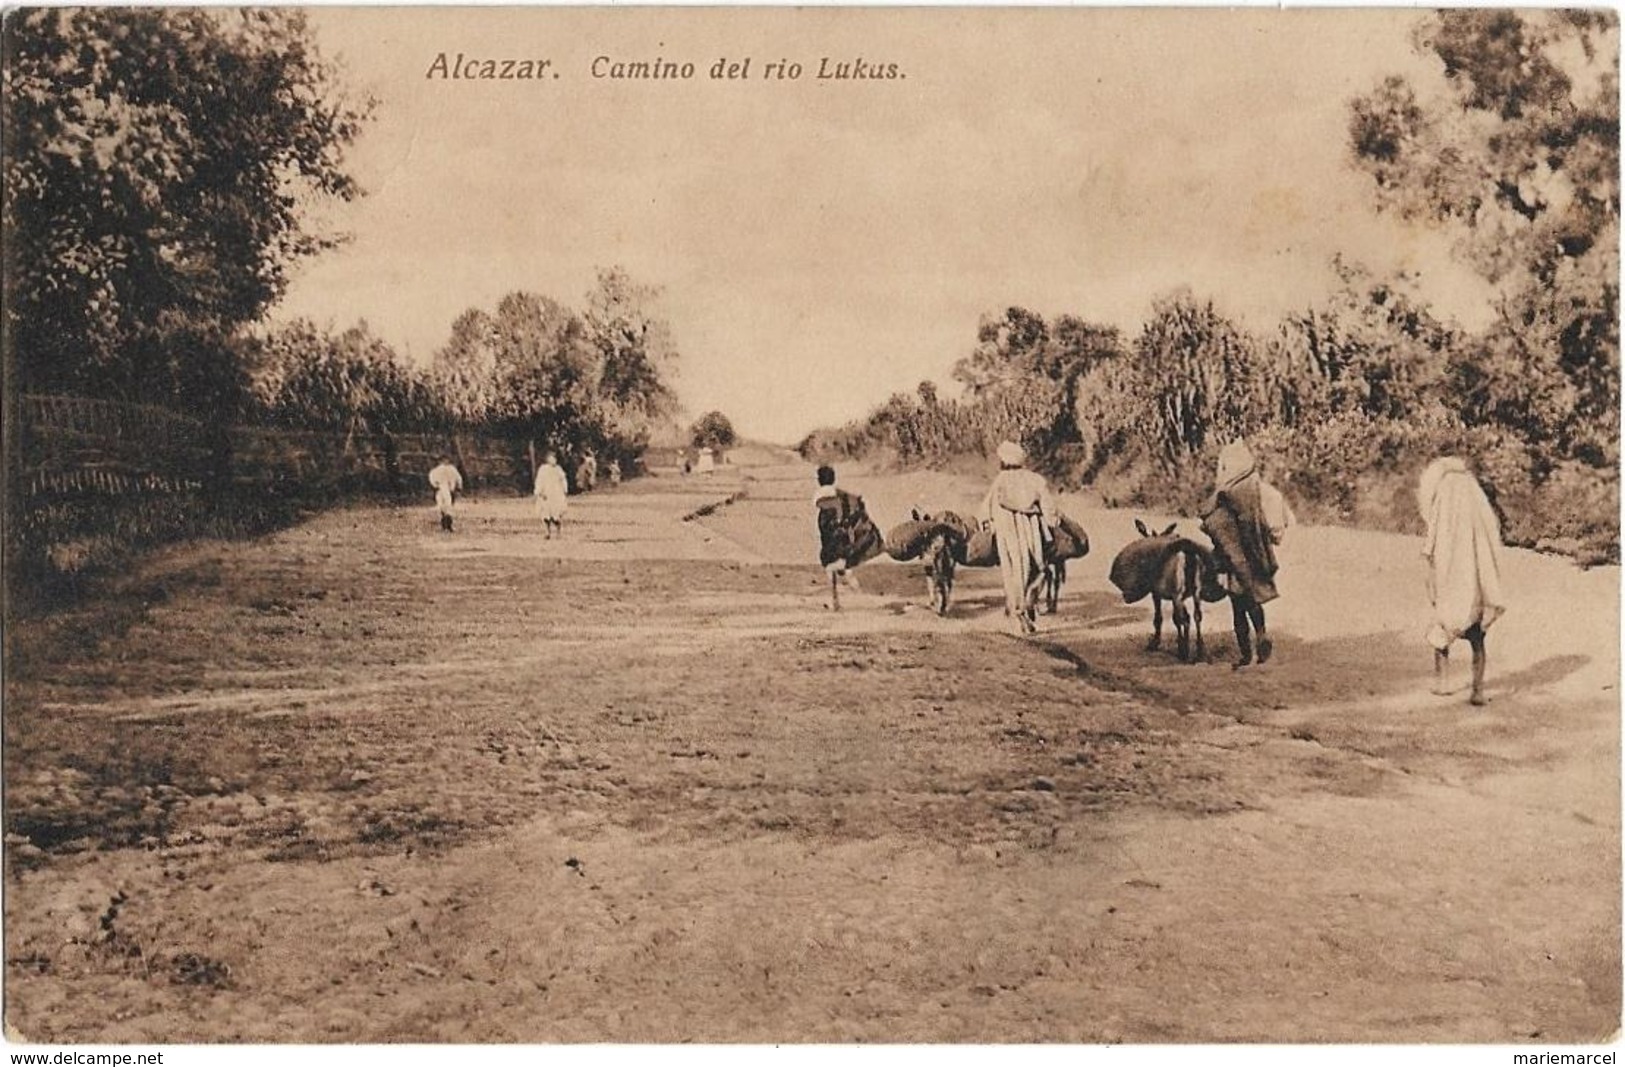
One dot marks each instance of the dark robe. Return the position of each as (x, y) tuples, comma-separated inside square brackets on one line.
[(1234, 521), (845, 531)]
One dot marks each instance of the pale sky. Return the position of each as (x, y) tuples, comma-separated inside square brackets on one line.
[(823, 244)]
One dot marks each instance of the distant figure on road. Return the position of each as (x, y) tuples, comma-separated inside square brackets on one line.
[(614, 472), (846, 534), (587, 474), (1023, 514), (552, 494), (1463, 550), (447, 482), (688, 464), (1246, 518)]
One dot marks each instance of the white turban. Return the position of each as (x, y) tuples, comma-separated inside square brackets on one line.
[(1011, 454)]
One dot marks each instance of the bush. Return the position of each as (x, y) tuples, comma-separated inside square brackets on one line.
[(1344, 407)]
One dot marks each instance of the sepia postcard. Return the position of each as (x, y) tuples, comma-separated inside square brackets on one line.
[(802, 526)]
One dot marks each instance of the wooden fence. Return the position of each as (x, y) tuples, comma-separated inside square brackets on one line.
[(92, 478)]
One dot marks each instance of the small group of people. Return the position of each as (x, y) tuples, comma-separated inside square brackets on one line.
[(551, 488), (1245, 518), (1462, 547), (587, 472), (703, 461)]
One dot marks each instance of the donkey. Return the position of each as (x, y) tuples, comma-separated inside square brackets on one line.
[(1175, 569), (1066, 542), (940, 556), (948, 547)]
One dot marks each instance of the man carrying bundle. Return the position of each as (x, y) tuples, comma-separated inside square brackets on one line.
[(1246, 519), (1023, 514), (846, 534)]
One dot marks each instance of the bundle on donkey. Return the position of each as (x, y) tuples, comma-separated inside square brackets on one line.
[(946, 540), (940, 541), (1067, 542), (1167, 567)]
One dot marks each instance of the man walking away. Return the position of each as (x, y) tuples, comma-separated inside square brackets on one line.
[(1246, 519), (1463, 551), (447, 483), (1023, 514), (846, 534)]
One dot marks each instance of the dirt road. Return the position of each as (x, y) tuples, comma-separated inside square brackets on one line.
[(360, 781)]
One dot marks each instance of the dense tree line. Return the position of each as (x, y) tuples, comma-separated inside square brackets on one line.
[(1348, 399), (574, 381), (159, 168), (597, 379)]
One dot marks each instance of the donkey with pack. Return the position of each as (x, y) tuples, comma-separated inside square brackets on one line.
[(1167, 567)]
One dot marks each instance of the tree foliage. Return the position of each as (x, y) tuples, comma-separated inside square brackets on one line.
[(598, 379), (713, 430), (1519, 155), (1021, 383), (637, 356), (302, 376), (156, 164)]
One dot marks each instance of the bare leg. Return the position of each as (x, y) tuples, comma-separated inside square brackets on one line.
[(1034, 590), (1239, 604), (1475, 637), (1441, 667), (1255, 612), (834, 591)]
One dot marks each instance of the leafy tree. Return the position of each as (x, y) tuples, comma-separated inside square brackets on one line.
[(1006, 351), (465, 369), (528, 361), (1519, 155), (546, 361), (156, 164), (302, 376), (1192, 379), (1026, 374), (635, 348), (1076, 349), (637, 356), (597, 380), (1372, 347), (713, 430)]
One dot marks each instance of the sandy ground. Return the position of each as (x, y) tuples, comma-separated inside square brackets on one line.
[(360, 781)]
